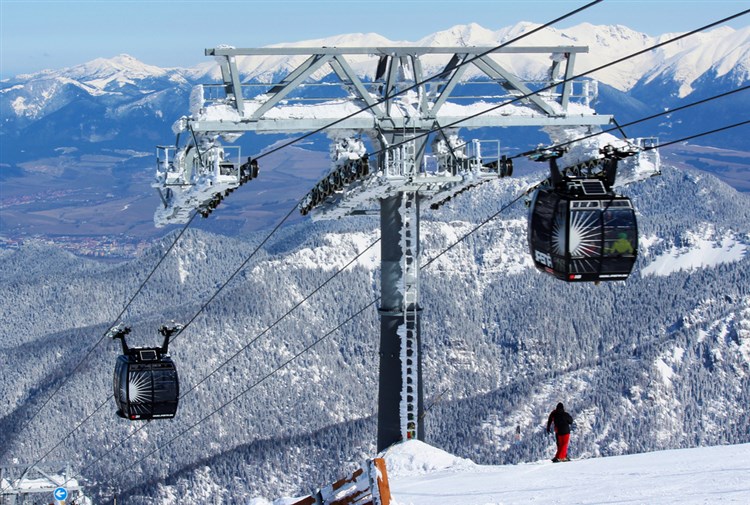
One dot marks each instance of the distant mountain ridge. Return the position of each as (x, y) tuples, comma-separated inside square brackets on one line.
[(87, 133), (720, 53)]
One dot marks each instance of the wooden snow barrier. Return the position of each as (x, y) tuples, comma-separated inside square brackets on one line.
[(366, 486)]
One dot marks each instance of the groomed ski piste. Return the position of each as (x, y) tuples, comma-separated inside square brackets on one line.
[(420, 474)]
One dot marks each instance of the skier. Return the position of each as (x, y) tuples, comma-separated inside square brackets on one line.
[(562, 421)]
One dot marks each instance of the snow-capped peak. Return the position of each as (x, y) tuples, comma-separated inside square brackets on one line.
[(722, 49), (468, 35), (102, 68), (717, 52), (121, 67), (344, 40)]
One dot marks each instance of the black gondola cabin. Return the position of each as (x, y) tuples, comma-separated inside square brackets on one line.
[(579, 230), (145, 382)]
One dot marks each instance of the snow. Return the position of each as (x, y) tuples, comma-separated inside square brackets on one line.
[(719, 50), (336, 109), (335, 251), (702, 253), (415, 458), (665, 371), (714, 53), (743, 333), (646, 242), (19, 105), (122, 69), (57, 480), (423, 475)]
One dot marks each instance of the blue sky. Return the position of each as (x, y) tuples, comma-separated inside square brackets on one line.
[(40, 34)]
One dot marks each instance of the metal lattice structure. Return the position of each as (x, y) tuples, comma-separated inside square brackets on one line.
[(23, 483), (390, 105)]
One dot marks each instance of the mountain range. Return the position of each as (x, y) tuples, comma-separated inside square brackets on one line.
[(77, 143), (125, 99)]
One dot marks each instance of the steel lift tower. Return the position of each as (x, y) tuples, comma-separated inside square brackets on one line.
[(399, 114)]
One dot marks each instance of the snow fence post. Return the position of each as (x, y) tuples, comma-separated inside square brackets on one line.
[(366, 486), (381, 491)]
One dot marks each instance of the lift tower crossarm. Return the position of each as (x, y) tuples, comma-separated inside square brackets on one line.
[(291, 82), (568, 83), (381, 101), (456, 72), (492, 69), (347, 74)]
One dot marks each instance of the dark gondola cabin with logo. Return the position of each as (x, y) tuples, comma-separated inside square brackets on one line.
[(145, 382), (579, 229)]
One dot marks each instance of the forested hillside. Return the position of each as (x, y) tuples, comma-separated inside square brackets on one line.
[(660, 361)]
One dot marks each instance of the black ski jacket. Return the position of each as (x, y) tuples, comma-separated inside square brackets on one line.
[(562, 421)]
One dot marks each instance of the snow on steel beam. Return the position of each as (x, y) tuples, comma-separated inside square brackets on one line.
[(286, 125), (392, 50), (453, 80), (271, 112), (347, 75)]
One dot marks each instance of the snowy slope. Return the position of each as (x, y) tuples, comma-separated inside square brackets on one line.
[(422, 475), (701, 248)]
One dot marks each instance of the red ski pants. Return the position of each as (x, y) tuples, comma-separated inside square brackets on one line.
[(562, 446)]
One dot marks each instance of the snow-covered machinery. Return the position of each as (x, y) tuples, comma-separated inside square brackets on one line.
[(350, 188), (194, 177)]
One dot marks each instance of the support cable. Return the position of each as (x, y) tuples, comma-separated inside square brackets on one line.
[(330, 332), (685, 139), (368, 305), (619, 127), (307, 348), (425, 265), (243, 348), (252, 386), (516, 199), (319, 130), (70, 433), (525, 96), (569, 79), (284, 316), (127, 306), (637, 121), (235, 273), (216, 293)]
